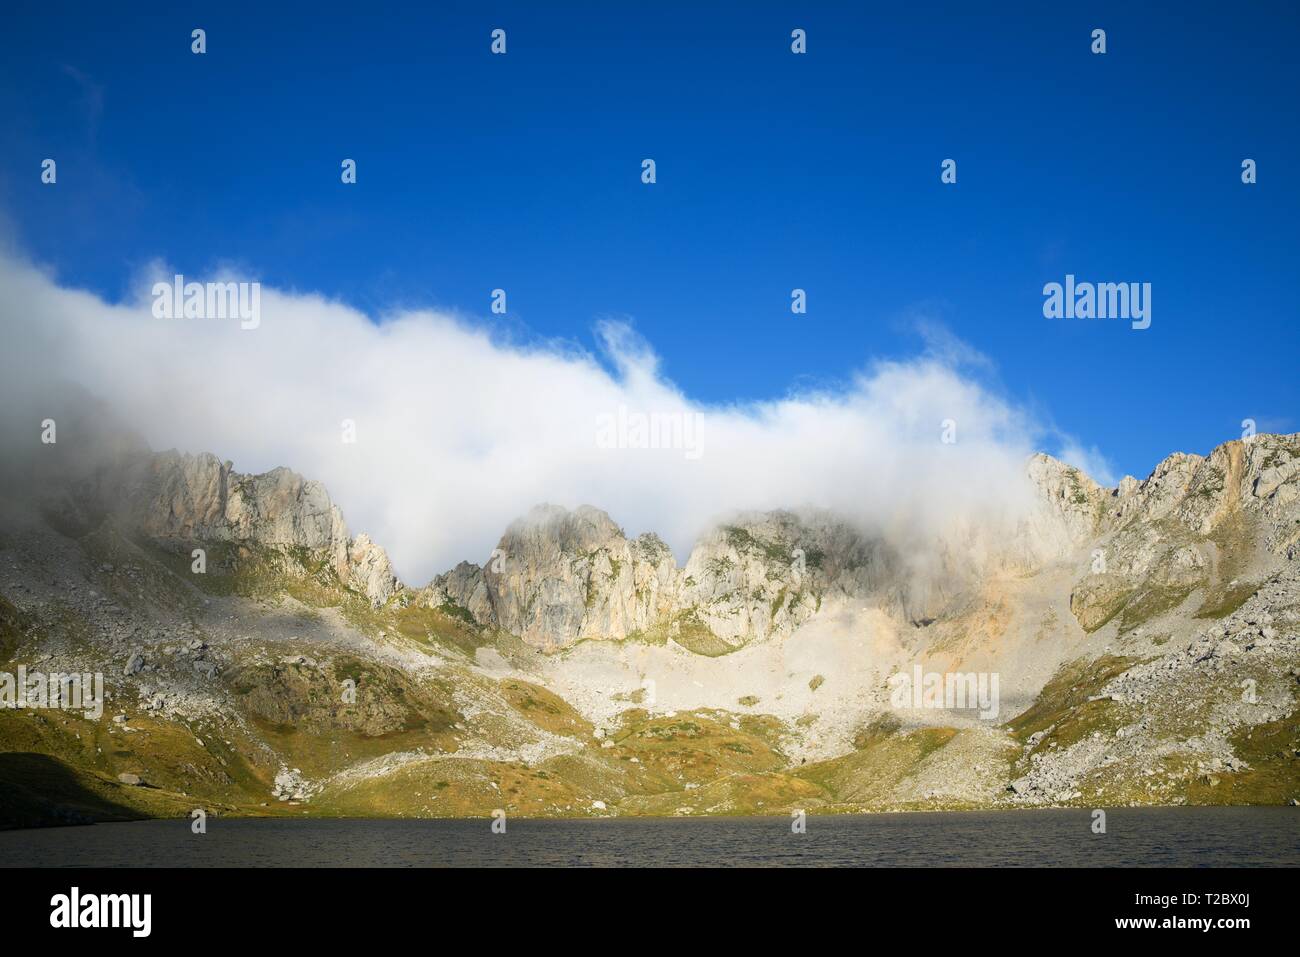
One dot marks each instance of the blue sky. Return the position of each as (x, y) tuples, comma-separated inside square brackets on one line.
[(775, 171)]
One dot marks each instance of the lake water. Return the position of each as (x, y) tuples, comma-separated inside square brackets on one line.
[(1179, 837)]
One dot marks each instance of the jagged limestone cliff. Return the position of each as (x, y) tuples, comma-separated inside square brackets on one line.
[(183, 501)]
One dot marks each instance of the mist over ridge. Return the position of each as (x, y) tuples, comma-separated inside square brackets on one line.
[(457, 430)]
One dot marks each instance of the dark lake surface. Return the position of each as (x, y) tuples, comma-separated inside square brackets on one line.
[(1136, 837)]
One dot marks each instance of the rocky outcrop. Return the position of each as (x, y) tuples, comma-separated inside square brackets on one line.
[(749, 580), (1193, 523), (369, 570), (1078, 501), (762, 575), (558, 577), (462, 591), (198, 498), (1259, 476)]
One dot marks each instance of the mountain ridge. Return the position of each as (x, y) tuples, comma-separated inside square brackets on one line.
[(587, 673)]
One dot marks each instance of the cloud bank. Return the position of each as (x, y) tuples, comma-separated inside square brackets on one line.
[(457, 432)]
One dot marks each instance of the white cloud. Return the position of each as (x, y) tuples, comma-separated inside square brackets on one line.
[(458, 433), (1090, 459)]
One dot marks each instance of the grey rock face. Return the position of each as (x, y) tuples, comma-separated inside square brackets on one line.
[(369, 570), (559, 577), (463, 590), (1259, 476), (1167, 535), (563, 576), (763, 575), (1078, 500), (196, 498)]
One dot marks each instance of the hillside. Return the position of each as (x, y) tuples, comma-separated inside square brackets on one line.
[(1145, 640)]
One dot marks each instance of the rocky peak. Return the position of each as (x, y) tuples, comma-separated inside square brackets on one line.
[(559, 576), (1162, 491), (369, 571), (1077, 499), (196, 498), (1259, 475), (461, 591), (762, 574), (1192, 518)]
